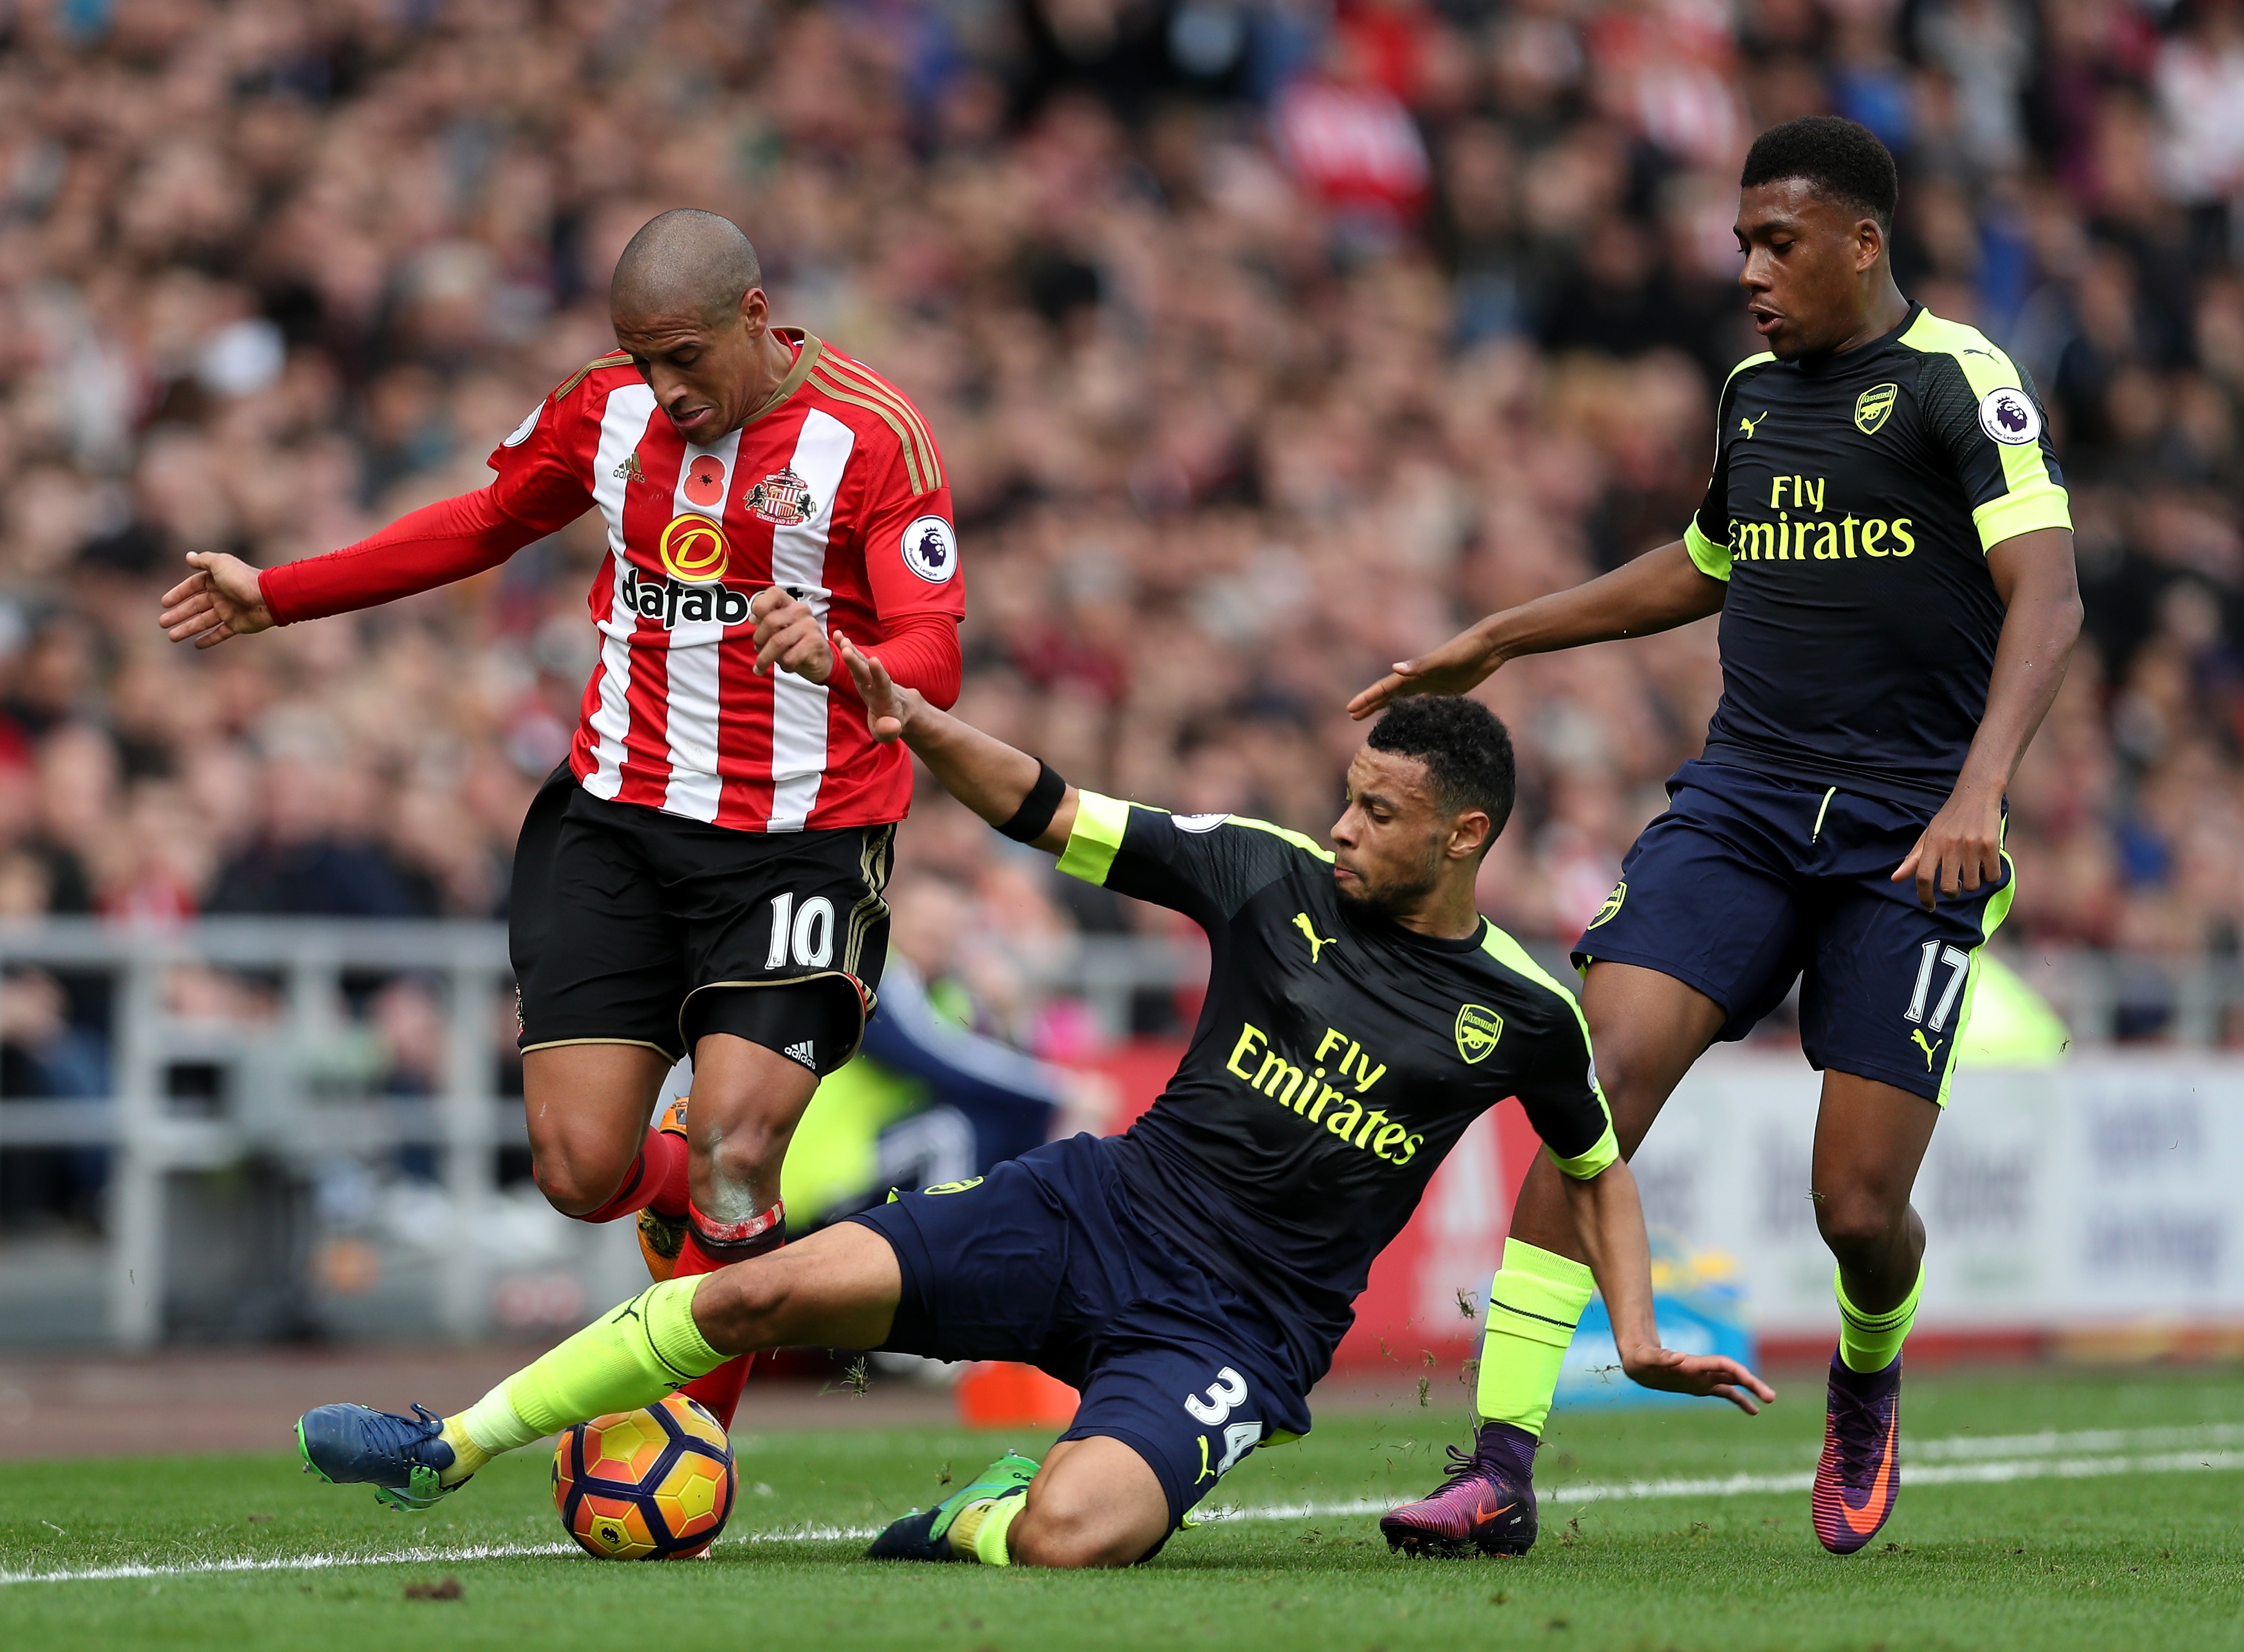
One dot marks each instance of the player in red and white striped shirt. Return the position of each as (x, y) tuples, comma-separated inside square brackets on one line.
[(704, 873)]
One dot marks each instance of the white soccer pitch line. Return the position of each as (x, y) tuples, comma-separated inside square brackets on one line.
[(2044, 1456)]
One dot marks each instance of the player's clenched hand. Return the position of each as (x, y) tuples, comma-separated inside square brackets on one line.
[(1686, 1373), (1462, 663), (1960, 851), (887, 706), (787, 636), (219, 600)]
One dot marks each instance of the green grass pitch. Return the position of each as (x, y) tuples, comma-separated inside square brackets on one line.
[(2047, 1511)]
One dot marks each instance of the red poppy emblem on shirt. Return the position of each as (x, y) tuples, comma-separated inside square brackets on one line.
[(705, 481)]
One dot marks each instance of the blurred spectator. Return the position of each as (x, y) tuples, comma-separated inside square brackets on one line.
[(1267, 343)]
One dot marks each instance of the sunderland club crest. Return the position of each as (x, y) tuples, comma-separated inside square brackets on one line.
[(783, 498)]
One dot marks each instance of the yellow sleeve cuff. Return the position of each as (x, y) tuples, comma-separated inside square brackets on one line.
[(1095, 837), (1712, 559), (2046, 506), (1585, 1165)]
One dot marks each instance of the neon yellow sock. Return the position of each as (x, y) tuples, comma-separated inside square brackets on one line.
[(468, 1454), (628, 1358), (1534, 1303), (1870, 1342), (979, 1532)]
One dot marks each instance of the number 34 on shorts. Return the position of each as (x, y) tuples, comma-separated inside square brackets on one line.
[(1225, 1441)]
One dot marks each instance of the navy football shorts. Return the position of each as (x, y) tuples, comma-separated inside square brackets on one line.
[(1043, 1261), (1749, 883)]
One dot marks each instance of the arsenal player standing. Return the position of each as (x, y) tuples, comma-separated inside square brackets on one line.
[(704, 873)]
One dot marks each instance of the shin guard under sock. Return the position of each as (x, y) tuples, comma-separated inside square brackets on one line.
[(709, 1246), (629, 1357), (1534, 1303), (979, 1532), (1870, 1342)]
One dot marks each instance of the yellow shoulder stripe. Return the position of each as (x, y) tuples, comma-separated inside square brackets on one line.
[(865, 381), (614, 358), (914, 477), (1750, 362), (1306, 845), (2029, 499), (1513, 956)]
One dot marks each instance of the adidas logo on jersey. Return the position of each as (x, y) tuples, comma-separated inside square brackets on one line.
[(803, 1053), (670, 603)]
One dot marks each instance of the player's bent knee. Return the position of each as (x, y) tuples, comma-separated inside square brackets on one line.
[(741, 1307), (577, 1184), (1857, 1222)]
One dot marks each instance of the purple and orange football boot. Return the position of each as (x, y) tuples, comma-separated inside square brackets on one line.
[(1486, 1506), (1860, 1474)]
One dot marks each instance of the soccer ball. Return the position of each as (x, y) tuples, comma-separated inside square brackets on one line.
[(652, 1485)]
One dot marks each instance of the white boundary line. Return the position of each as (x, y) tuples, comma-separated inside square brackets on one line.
[(1986, 1471)]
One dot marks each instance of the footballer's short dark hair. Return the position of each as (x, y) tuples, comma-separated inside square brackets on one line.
[(1837, 159), (1465, 748)]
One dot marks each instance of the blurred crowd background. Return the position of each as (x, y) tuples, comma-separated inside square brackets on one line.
[(1267, 341)]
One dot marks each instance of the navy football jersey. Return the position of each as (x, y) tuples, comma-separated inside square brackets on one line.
[(1852, 503)]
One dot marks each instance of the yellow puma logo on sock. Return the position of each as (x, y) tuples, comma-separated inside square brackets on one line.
[(1317, 943), (1931, 1051)]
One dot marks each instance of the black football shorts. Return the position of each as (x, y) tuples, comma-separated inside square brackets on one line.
[(634, 926), (1044, 1260), (1749, 884)]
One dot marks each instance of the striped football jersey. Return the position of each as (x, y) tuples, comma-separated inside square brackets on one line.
[(833, 490)]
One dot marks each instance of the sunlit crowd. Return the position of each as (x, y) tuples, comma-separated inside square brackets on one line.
[(1267, 343)]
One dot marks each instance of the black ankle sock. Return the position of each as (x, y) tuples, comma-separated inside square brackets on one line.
[(1511, 1445)]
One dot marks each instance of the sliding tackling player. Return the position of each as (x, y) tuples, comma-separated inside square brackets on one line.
[(1887, 539), (1192, 1276), (704, 873)]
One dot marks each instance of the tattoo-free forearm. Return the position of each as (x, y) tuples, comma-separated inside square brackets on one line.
[(982, 772), (1609, 1221), (1656, 592), (2034, 576)]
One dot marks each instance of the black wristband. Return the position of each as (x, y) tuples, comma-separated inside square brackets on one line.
[(1037, 808)]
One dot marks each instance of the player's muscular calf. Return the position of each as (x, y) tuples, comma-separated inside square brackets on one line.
[(587, 1107), (747, 1101), (1870, 1140)]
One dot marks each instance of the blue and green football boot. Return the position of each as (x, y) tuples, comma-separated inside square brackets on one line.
[(402, 1458), (924, 1535)]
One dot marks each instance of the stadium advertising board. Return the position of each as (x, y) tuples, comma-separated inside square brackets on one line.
[(2091, 1202)]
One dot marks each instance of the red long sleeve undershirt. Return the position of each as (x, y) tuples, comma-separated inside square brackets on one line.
[(454, 538), (421, 551)]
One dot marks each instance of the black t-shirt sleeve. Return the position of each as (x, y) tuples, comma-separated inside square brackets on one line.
[(1980, 410), (1556, 1076), (1204, 865), (1558, 1088), (1707, 534)]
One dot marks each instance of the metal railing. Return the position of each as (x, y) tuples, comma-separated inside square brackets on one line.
[(278, 1097), (267, 1102)]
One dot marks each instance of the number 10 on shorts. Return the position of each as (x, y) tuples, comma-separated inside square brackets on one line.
[(1959, 965), (810, 930)]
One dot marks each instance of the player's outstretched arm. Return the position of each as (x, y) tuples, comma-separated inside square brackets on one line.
[(1609, 1219), (1962, 847), (982, 772), (1658, 591), (221, 598)]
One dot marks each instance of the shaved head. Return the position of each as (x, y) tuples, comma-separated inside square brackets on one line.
[(684, 262)]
